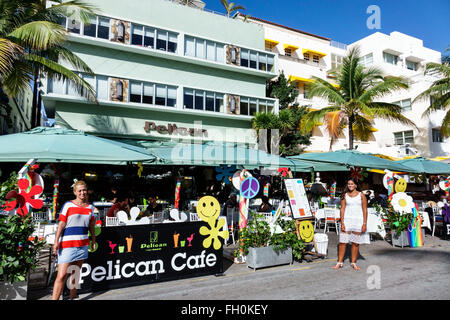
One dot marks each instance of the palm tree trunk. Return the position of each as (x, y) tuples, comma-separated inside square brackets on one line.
[(351, 119), (34, 102)]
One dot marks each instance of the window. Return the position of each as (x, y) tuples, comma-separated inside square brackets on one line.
[(149, 89), (135, 91), (137, 34), (73, 26), (288, 52), (253, 59), (405, 104), (171, 96), (103, 28), (203, 100), (411, 65), (245, 57), (160, 98), (149, 37), (102, 88), (200, 49), (432, 100), (436, 135), (249, 106), (161, 40), (90, 30), (306, 56), (270, 63), (315, 58), (336, 61), (188, 99), (165, 41), (203, 49), (262, 62), (390, 58), (210, 50), (172, 44), (366, 60), (404, 137), (305, 91)]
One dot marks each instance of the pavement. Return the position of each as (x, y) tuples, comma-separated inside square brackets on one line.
[(386, 273)]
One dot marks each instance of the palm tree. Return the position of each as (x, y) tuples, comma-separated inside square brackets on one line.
[(352, 102), (439, 92), (230, 7), (32, 46)]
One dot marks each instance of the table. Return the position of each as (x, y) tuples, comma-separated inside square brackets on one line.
[(374, 221)]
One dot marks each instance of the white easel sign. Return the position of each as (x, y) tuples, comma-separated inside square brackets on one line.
[(298, 199)]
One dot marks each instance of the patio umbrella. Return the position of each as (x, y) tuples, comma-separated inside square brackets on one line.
[(355, 158), (66, 145), (320, 166), (423, 165), (214, 154)]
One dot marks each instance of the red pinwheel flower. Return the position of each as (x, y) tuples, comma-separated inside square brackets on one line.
[(283, 171), (355, 173), (23, 198)]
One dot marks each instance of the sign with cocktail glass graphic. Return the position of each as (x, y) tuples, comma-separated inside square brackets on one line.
[(140, 254)]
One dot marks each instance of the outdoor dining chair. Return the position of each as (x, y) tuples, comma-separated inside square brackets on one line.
[(193, 216), (330, 218), (232, 223), (437, 218)]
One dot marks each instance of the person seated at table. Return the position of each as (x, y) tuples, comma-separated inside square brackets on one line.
[(153, 206), (120, 205), (112, 197), (132, 202), (265, 205)]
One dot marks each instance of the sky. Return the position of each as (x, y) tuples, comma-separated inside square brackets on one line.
[(346, 20)]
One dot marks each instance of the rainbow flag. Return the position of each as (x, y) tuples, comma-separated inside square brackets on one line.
[(415, 236)]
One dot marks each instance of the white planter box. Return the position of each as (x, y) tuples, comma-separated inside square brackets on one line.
[(267, 257)]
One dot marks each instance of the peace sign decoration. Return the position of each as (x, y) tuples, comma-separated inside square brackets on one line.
[(249, 188)]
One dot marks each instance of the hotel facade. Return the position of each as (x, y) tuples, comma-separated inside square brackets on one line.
[(303, 56), (164, 71)]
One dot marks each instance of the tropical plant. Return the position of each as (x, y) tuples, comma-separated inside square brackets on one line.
[(33, 46), (353, 101), (438, 93), (18, 249), (257, 234), (231, 7), (8, 185), (282, 89)]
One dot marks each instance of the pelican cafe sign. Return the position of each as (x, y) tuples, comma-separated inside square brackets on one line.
[(172, 129)]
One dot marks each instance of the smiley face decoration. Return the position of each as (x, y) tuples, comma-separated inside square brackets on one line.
[(208, 210), (305, 230)]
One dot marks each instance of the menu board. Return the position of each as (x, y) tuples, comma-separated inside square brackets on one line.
[(297, 198)]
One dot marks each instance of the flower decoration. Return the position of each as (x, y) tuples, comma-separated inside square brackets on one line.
[(402, 203), (284, 171), (23, 198), (225, 172), (358, 174)]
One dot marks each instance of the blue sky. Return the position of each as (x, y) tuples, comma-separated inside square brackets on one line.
[(345, 20)]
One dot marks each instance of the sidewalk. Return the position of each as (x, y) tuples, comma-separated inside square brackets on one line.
[(381, 253)]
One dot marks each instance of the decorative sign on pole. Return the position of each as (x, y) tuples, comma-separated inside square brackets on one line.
[(298, 199)]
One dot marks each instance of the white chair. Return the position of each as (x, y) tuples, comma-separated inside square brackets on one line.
[(330, 218), (232, 224), (437, 218), (193, 216), (112, 221)]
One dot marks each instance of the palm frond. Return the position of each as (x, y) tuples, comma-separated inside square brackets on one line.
[(389, 111), (9, 52), (387, 86), (314, 118), (39, 35)]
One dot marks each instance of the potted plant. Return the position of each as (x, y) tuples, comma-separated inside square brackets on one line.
[(18, 250), (398, 222), (264, 249)]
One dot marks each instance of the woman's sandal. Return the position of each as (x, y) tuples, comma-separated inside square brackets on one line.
[(338, 265), (354, 266)]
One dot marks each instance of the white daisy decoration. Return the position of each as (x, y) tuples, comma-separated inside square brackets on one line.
[(402, 203)]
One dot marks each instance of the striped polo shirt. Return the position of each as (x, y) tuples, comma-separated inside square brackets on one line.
[(77, 221)]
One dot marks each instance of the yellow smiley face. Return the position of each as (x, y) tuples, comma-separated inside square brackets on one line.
[(306, 230), (400, 185), (208, 208)]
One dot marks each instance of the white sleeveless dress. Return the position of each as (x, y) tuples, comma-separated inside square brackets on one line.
[(353, 221)]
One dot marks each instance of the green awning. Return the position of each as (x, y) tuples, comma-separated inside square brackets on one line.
[(214, 154), (354, 158), (321, 166), (424, 165), (66, 145)]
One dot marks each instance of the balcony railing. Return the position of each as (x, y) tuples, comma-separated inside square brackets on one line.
[(303, 61), (338, 45)]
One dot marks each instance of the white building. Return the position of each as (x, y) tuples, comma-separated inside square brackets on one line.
[(20, 114), (398, 54), (303, 55)]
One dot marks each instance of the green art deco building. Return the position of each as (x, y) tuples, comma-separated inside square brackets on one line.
[(166, 71)]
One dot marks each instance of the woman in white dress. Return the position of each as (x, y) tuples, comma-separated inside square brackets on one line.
[(353, 223)]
